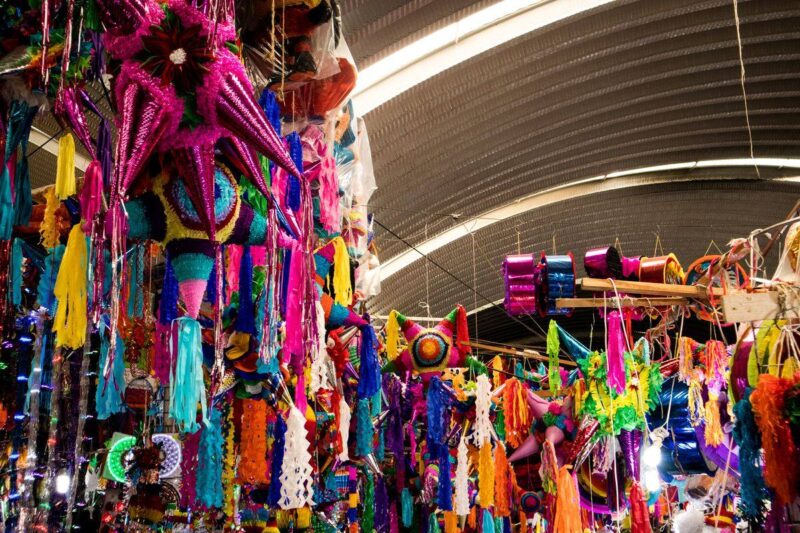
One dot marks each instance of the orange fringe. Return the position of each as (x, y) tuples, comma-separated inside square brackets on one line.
[(516, 414), (253, 449), (472, 520), (568, 513), (486, 477), (450, 522), (502, 483), (713, 433), (780, 454)]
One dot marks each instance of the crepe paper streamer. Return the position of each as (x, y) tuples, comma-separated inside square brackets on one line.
[(269, 104), (342, 287), (407, 508), (462, 480), (15, 273), (70, 291), (780, 455), (368, 517), (487, 522), (450, 522), (483, 404), (245, 321), (187, 386), (485, 476), (381, 505), (293, 186), (392, 336), (294, 344), (208, 483), (344, 429), (109, 394), (23, 200), (168, 306), (297, 488), (615, 357), (502, 482), (567, 519), (320, 362), (49, 229), (640, 516), (47, 279), (553, 347), (91, 194), (516, 415), (65, 167), (433, 524), (630, 442), (105, 151), (6, 204), (253, 450), (278, 446), (364, 429), (753, 491), (191, 444), (370, 370)]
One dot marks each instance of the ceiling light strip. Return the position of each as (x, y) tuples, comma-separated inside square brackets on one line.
[(576, 189)]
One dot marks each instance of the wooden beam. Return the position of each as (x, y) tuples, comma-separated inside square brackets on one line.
[(522, 354), (652, 289), (612, 302), (743, 306)]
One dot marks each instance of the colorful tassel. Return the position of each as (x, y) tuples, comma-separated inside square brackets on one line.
[(15, 273), (406, 508), (713, 430), (70, 291), (49, 228), (269, 103), (47, 280), (780, 454), (567, 519), (516, 414), (502, 482), (370, 370), (6, 204), (342, 286), (433, 524), (293, 189), (438, 404), (65, 167), (640, 516), (23, 201), (392, 336), (553, 347), (487, 525), (91, 194), (108, 397), (208, 483), (187, 386)]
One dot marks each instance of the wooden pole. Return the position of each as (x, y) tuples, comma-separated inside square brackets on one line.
[(522, 354)]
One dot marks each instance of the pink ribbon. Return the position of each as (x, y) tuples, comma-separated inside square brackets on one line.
[(615, 358)]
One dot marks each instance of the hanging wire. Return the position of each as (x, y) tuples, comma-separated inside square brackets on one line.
[(742, 81)]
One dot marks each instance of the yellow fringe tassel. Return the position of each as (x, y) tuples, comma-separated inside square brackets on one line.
[(70, 290), (497, 366), (341, 273), (713, 431), (49, 228), (486, 477), (65, 167), (303, 518), (392, 336), (568, 514)]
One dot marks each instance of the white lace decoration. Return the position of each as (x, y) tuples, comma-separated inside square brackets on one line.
[(483, 403), (462, 480), (344, 428), (296, 482), (319, 355)]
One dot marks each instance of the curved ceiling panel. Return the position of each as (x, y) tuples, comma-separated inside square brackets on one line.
[(632, 84)]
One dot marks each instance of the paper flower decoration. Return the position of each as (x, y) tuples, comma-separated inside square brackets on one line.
[(429, 350), (180, 89)]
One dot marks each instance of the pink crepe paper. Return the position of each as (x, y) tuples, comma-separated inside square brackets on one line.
[(615, 354)]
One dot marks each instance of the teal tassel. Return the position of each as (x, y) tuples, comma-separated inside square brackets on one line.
[(6, 205), (108, 397), (23, 202), (16, 273), (364, 429), (208, 483), (406, 508), (187, 386), (433, 524), (377, 406), (47, 280), (753, 493), (488, 522)]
